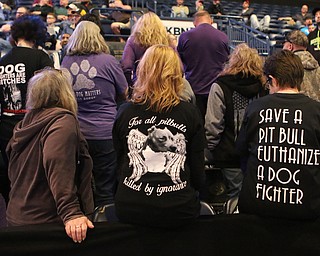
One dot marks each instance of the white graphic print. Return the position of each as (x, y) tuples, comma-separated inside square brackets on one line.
[(11, 77), (159, 151), (82, 82)]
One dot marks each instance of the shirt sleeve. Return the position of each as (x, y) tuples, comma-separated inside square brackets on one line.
[(195, 153), (45, 60), (60, 160), (128, 60), (214, 119)]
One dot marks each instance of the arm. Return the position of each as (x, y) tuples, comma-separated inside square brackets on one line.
[(128, 60), (45, 60), (60, 148), (195, 153), (120, 81), (214, 120)]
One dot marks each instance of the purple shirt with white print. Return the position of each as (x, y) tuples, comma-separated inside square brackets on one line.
[(97, 80)]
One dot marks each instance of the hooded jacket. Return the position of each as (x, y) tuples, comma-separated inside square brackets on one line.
[(311, 79), (229, 96), (49, 169)]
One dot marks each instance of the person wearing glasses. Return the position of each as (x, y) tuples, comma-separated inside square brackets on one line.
[(297, 42), (280, 141), (238, 84), (16, 68), (49, 164)]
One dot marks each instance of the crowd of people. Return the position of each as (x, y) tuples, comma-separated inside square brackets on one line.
[(136, 133)]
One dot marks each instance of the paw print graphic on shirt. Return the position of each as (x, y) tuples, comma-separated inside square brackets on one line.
[(83, 75)]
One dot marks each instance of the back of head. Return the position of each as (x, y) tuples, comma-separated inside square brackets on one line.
[(244, 60), (51, 88), (86, 39), (149, 30), (298, 38), (30, 28), (159, 79), (286, 68), (201, 17)]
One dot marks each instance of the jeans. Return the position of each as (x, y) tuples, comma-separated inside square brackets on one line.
[(263, 24), (104, 170)]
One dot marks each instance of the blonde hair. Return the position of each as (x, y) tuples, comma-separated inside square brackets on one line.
[(149, 30), (51, 88), (86, 39), (159, 79), (244, 60)]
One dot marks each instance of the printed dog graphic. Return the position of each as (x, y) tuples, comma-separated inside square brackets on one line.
[(159, 151)]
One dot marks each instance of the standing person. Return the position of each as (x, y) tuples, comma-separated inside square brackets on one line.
[(17, 67), (314, 37), (297, 42), (280, 138), (237, 85), (48, 185), (148, 30), (203, 51), (159, 141), (99, 84), (251, 19)]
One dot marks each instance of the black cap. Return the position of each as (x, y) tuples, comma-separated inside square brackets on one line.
[(315, 10)]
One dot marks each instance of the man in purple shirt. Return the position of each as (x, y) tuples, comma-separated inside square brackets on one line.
[(203, 51)]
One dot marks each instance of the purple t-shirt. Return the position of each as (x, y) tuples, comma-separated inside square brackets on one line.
[(97, 80), (203, 51)]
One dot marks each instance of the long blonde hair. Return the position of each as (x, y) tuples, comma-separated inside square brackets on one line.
[(244, 60), (86, 39), (159, 79), (149, 30), (51, 88)]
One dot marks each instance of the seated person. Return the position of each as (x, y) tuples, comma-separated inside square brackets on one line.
[(42, 9), (215, 8), (52, 29), (159, 140), (61, 11), (55, 186), (5, 30), (308, 25), (122, 19), (199, 6), (279, 141), (251, 19), (75, 12), (36, 2), (180, 10), (299, 18)]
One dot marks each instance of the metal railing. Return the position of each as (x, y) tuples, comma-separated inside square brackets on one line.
[(239, 33)]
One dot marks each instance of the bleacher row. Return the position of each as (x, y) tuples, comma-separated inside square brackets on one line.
[(277, 29)]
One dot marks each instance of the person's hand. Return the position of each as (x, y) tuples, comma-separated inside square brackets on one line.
[(76, 228)]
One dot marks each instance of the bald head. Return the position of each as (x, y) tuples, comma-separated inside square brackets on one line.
[(201, 17)]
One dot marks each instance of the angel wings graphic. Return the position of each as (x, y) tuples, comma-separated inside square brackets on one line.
[(159, 151)]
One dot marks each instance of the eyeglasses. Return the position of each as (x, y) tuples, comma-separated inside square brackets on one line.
[(268, 83)]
